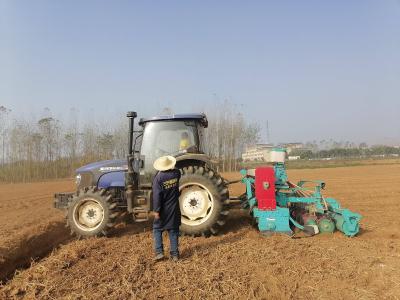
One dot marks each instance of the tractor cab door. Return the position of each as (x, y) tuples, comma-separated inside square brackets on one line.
[(166, 138)]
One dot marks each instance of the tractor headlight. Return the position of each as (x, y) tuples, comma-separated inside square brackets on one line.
[(78, 179)]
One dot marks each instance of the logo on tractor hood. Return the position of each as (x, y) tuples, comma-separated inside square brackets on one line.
[(104, 166), (108, 169)]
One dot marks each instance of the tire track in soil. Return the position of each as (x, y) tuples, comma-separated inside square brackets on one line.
[(31, 227), (31, 247)]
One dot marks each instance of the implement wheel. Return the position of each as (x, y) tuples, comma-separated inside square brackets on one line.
[(326, 225)]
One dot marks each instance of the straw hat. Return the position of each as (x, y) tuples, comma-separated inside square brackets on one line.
[(164, 163)]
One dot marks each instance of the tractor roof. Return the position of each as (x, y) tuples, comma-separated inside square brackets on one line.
[(201, 118)]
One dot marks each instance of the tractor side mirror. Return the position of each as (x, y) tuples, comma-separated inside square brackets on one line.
[(141, 161), (138, 162)]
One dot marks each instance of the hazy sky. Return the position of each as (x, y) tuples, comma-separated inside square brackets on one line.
[(314, 69)]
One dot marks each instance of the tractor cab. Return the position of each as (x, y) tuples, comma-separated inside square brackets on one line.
[(176, 135)]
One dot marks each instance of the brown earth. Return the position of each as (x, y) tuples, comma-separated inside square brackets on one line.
[(239, 263), (30, 226)]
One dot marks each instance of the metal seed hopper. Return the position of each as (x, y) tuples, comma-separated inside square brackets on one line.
[(280, 206)]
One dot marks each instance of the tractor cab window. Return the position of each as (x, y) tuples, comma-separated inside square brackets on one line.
[(168, 138)]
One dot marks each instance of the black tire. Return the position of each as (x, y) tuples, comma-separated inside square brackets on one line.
[(199, 177), (87, 204)]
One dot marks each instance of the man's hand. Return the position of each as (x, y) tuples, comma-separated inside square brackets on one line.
[(156, 215)]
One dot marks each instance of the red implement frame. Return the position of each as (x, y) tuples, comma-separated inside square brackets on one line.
[(265, 188)]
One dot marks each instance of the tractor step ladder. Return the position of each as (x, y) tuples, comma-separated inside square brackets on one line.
[(140, 214)]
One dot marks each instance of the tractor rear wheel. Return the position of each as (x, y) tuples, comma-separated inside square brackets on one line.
[(202, 201), (92, 212)]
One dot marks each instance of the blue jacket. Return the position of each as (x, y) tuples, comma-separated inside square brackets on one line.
[(166, 199)]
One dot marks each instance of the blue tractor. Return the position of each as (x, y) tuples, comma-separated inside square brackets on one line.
[(107, 190)]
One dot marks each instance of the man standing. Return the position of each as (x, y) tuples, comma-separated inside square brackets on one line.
[(167, 214)]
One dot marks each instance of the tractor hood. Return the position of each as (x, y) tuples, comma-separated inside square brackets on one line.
[(104, 166)]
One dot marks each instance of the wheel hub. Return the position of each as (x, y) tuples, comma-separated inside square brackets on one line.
[(90, 214), (195, 203)]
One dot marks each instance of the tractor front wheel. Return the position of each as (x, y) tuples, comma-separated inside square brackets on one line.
[(91, 212)]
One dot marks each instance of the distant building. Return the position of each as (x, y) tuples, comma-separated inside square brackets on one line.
[(258, 152), (294, 157), (292, 146)]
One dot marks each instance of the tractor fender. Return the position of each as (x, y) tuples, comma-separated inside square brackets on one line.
[(191, 158), (112, 179)]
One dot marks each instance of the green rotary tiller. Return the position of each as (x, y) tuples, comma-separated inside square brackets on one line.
[(280, 206)]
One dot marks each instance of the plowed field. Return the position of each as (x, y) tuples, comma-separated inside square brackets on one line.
[(30, 226), (239, 263)]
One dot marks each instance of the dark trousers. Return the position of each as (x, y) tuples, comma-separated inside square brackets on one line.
[(173, 240)]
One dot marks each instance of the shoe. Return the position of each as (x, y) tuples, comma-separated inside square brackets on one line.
[(174, 258), (159, 257)]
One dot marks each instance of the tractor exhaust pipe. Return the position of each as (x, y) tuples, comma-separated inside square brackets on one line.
[(130, 175), (131, 115)]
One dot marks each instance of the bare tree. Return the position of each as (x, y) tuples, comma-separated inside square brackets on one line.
[(227, 135), (48, 148), (4, 112)]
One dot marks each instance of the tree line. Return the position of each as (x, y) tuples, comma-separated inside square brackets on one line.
[(362, 151), (47, 148)]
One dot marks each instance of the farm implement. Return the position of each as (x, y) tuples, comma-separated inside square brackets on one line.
[(280, 206)]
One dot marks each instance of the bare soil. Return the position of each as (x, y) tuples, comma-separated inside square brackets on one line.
[(30, 226), (239, 263)]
